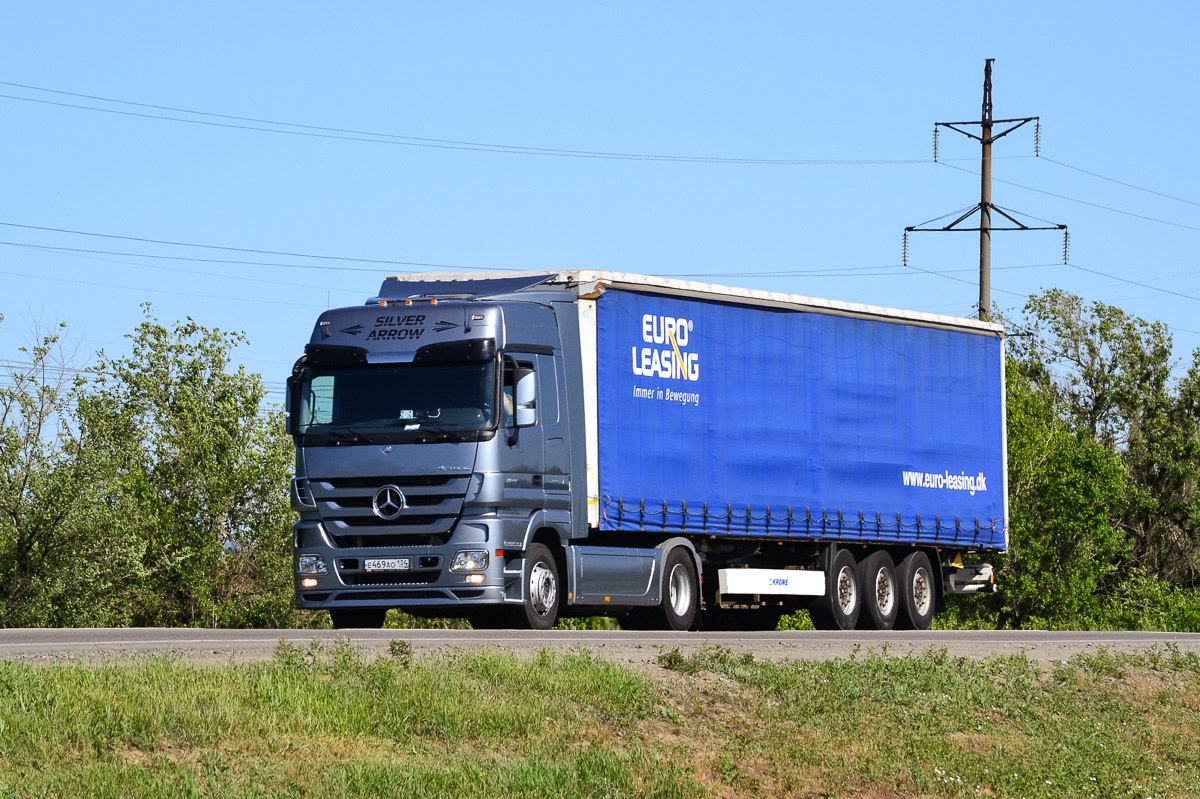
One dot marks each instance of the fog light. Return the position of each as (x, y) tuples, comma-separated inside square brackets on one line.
[(308, 582), (469, 560), (312, 564), (474, 579)]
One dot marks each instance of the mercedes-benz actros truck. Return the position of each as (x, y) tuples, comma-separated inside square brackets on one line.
[(517, 447)]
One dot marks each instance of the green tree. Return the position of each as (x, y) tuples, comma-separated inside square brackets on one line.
[(1064, 492), (1108, 375), (201, 479), (58, 565)]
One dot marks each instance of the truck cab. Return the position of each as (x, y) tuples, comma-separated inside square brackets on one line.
[(434, 457)]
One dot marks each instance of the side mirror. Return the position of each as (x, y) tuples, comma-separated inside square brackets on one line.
[(522, 383), (290, 414), (291, 403), (526, 397)]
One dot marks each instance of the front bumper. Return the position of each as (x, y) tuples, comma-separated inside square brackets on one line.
[(427, 583)]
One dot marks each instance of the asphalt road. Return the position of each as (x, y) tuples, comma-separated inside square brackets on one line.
[(221, 646)]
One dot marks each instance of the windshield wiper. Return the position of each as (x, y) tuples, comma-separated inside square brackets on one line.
[(342, 433), (447, 435)]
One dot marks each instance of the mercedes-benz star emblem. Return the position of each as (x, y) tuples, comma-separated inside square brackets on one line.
[(388, 502)]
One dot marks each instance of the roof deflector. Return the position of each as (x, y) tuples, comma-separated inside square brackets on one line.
[(400, 289)]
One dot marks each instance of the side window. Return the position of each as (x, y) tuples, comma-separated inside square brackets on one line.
[(317, 401), (547, 398)]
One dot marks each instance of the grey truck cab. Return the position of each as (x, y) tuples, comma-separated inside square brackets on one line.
[(434, 454)]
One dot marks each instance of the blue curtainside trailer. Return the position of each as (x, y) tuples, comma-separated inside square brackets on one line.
[(725, 418), (513, 448)]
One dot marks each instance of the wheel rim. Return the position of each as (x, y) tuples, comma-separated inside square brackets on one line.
[(679, 589), (847, 596), (922, 596), (542, 589), (885, 594)]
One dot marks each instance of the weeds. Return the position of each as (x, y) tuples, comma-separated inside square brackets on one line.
[(323, 718)]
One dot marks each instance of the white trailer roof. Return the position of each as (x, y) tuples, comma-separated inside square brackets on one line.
[(588, 282)]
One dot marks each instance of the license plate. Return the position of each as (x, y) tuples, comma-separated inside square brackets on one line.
[(386, 564)]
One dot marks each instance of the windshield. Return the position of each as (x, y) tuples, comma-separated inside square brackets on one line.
[(345, 400)]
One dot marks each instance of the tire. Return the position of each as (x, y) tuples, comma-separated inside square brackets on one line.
[(539, 611), (918, 592), (680, 593), (362, 618), (881, 594), (839, 608)]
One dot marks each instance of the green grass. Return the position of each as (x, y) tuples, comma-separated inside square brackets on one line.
[(325, 720)]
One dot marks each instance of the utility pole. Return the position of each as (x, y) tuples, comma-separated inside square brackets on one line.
[(985, 195), (985, 206)]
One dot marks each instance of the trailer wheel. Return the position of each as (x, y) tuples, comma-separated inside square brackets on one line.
[(540, 608), (839, 608), (881, 595), (915, 579), (364, 618), (680, 593)]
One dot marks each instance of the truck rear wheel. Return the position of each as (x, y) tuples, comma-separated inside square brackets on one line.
[(839, 608), (539, 611), (881, 600), (363, 618), (915, 579)]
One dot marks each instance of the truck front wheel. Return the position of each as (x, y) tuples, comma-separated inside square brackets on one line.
[(540, 608)]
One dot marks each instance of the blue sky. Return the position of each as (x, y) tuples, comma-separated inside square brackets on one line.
[(847, 93)]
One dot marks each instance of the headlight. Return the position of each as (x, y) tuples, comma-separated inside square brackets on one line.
[(312, 564), (469, 560)]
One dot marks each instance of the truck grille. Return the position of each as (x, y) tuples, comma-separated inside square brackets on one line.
[(432, 504)]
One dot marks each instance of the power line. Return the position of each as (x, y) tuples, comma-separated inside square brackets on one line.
[(19, 369), (93, 255), (240, 249), (1120, 182), (161, 291), (853, 271), (960, 280), (350, 134), (194, 259), (66, 338), (1081, 202), (1133, 282)]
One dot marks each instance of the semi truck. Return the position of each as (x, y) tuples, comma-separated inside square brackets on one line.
[(514, 448)]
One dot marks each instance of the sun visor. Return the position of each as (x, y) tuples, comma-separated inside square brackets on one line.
[(473, 349), (334, 355)]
